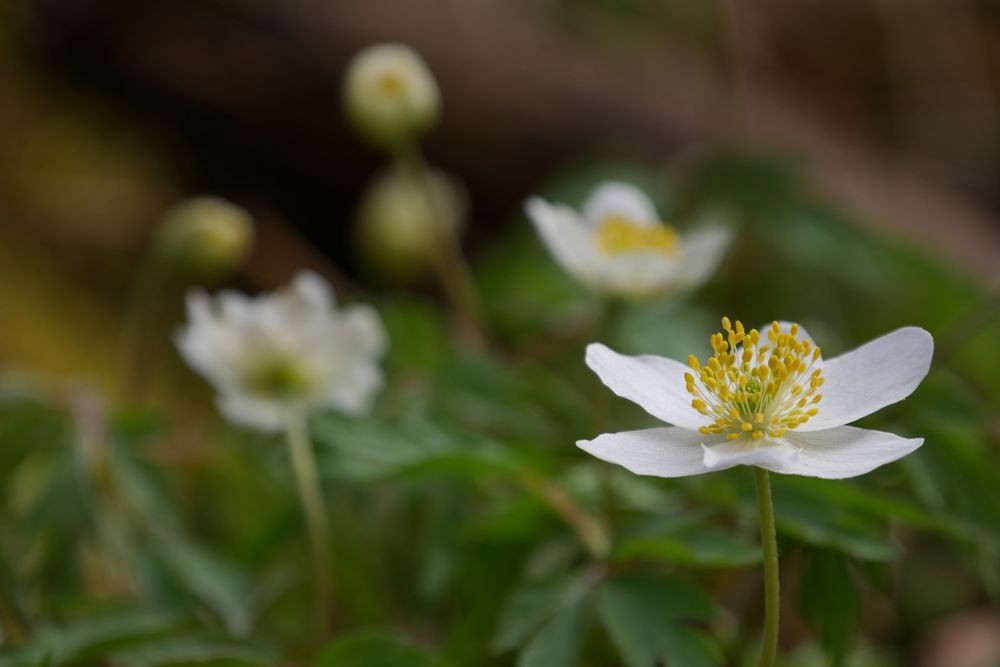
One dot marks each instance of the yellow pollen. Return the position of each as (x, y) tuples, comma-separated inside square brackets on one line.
[(391, 83), (617, 234), (754, 390)]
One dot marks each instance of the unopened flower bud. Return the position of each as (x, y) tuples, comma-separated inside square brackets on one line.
[(391, 95), (205, 236), (404, 219)]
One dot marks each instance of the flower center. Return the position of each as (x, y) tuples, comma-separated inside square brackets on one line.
[(617, 234), (278, 379), (391, 83), (750, 389)]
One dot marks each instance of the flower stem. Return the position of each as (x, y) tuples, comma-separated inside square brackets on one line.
[(769, 542), (304, 463), (450, 265)]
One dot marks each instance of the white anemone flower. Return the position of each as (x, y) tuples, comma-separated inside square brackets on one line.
[(774, 403), (288, 350), (617, 244)]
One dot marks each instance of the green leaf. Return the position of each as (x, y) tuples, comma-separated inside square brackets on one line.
[(557, 644), (830, 602), (97, 636), (645, 617), (372, 448), (374, 649), (194, 651), (705, 547), (815, 520), (31, 656), (219, 585), (533, 605), (418, 337)]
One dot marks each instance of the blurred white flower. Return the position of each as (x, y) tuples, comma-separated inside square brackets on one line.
[(617, 244), (288, 350), (390, 94), (773, 403)]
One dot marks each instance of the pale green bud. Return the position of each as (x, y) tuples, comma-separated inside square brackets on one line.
[(391, 95), (405, 218), (204, 237)]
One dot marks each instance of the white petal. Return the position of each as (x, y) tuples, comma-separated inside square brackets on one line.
[(701, 252), (568, 239), (252, 412), (639, 274), (364, 326), (846, 451), (621, 199), (199, 307), (354, 392), (313, 289), (655, 383), (879, 373), (775, 456), (663, 452)]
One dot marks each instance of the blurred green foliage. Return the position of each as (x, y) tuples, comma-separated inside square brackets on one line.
[(448, 546)]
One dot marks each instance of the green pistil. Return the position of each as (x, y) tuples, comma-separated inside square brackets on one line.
[(278, 380)]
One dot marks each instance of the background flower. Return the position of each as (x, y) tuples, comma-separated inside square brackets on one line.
[(289, 349), (617, 244)]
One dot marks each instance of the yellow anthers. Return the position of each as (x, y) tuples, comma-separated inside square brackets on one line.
[(617, 234), (751, 390), (391, 83)]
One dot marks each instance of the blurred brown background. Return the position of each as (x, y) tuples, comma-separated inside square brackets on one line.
[(112, 109)]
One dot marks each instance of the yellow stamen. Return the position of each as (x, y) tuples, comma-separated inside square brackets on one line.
[(753, 390), (617, 234)]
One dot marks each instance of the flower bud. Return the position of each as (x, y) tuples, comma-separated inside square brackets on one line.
[(390, 95), (403, 220), (204, 237)]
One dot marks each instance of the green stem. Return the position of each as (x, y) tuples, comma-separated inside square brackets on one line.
[(769, 541), (604, 329), (311, 495), (450, 265)]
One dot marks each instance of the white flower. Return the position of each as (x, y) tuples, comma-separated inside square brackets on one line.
[(773, 403), (291, 349), (390, 94), (618, 245)]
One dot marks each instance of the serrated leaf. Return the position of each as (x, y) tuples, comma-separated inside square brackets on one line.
[(645, 619), (818, 522), (532, 605), (557, 644)]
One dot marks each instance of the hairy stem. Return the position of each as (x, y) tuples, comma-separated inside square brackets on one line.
[(772, 594), (311, 495)]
